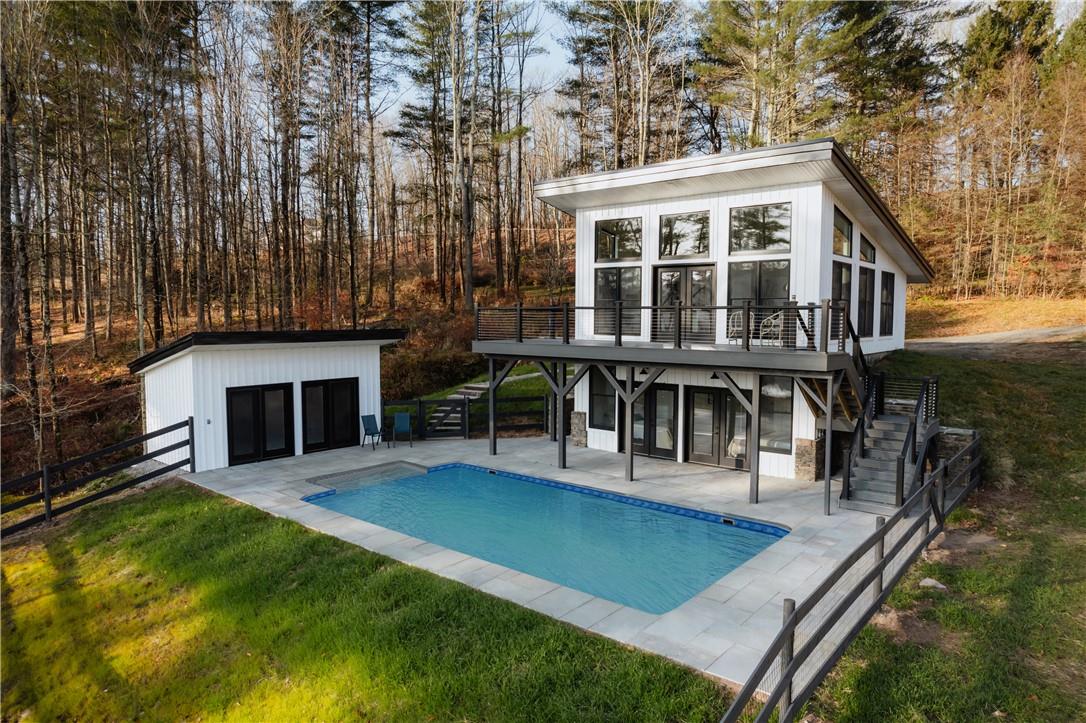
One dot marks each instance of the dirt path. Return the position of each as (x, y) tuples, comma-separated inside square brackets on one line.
[(1060, 344)]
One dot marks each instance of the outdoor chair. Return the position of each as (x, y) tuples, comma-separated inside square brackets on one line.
[(735, 324), (371, 430), (771, 329), (401, 424)]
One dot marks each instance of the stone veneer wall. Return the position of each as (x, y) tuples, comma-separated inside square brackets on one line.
[(809, 458), (578, 429)]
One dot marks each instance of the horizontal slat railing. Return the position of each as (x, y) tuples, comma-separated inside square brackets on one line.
[(815, 633), (790, 326), (46, 475)]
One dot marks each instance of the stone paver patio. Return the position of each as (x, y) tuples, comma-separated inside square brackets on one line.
[(722, 631)]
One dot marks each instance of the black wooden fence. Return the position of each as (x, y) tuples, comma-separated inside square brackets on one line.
[(48, 489), (459, 417)]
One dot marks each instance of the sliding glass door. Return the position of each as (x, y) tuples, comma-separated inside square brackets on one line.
[(259, 422), (329, 414), (716, 428), (655, 419)]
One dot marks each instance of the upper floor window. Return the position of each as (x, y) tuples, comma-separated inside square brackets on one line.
[(867, 250), (886, 321), (618, 239), (684, 235), (842, 233), (761, 229), (613, 284)]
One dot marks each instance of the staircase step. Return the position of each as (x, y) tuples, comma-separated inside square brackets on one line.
[(874, 508), (891, 425), (878, 475), (862, 495), (874, 464), (877, 433)]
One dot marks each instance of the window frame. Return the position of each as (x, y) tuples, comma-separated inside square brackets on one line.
[(632, 317), (864, 243), (886, 306), (732, 251), (660, 235), (596, 376), (614, 258), (851, 232), (865, 312), (762, 407), (758, 299)]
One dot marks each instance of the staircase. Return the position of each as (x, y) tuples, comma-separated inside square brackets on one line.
[(873, 476)]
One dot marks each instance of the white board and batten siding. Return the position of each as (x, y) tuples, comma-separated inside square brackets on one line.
[(195, 383)]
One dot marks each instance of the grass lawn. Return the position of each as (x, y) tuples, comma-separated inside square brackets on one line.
[(175, 603), (1008, 638)]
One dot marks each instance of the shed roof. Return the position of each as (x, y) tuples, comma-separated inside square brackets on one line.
[(232, 338), (807, 161)]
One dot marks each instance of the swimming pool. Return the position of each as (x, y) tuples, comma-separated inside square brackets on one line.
[(634, 552)]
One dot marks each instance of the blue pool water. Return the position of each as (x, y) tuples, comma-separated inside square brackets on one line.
[(642, 554)]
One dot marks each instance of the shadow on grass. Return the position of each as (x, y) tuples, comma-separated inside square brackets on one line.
[(301, 625)]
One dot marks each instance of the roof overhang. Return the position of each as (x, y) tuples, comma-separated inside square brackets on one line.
[(226, 340), (820, 160)]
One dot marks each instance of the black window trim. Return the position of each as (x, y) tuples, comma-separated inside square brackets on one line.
[(660, 231), (865, 313), (732, 252), (616, 259), (886, 323), (874, 251), (630, 317), (355, 430), (851, 233)]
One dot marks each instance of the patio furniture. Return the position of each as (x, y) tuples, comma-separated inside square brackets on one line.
[(735, 324), (771, 329), (401, 424), (371, 430)]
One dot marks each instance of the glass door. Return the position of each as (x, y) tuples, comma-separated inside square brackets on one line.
[(329, 414), (692, 286), (259, 423), (664, 417), (716, 428)]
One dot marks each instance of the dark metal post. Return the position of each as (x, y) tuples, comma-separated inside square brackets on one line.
[(940, 491), (554, 404), (618, 323), (465, 410), (828, 451), (844, 326), (46, 495), (519, 330), (627, 428), (787, 650), (192, 446), (560, 422), (420, 422), (565, 322), (880, 551), (754, 443), (678, 325), (899, 482), (746, 325), (492, 409), (824, 340)]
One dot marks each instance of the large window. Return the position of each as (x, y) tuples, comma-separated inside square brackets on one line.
[(886, 321), (866, 315), (618, 284), (775, 415), (842, 281), (761, 229), (842, 233), (684, 235), (867, 250), (763, 283), (601, 400), (618, 239)]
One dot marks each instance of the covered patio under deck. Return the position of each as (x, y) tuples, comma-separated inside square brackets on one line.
[(649, 362)]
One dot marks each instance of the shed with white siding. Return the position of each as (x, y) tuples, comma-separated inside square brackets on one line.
[(257, 395)]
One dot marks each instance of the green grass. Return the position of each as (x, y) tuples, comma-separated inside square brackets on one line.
[(175, 603), (1009, 636)]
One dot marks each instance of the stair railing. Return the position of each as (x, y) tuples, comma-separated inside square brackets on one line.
[(871, 401), (918, 426)]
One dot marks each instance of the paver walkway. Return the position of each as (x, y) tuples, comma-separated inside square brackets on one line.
[(722, 631)]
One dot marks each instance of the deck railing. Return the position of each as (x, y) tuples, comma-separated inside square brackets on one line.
[(790, 326), (816, 632), (47, 477)]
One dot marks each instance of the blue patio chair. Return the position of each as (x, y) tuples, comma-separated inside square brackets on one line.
[(371, 430), (401, 424)]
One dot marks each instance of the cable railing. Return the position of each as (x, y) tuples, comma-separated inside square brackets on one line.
[(816, 632), (789, 326)]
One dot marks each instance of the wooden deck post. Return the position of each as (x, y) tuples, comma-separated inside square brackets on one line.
[(627, 428), (754, 443), (560, 421)]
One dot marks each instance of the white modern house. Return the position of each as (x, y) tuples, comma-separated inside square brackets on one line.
[(725, 299), (257, 395)]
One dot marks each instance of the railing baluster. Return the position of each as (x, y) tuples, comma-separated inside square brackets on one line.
[(746, 325)]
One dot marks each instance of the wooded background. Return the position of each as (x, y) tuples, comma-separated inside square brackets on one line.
[(170, 166)]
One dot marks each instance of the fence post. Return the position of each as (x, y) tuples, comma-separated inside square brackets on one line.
[(45, 493), (746, 325), (880, 551), (899, 482), (786, 653), (465, 410), (420, 423), (618, 323), (519, 330), (192, 446), (565, 322), (824, 341)]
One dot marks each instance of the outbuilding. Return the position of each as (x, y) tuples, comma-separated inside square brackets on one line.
[(257, 395)]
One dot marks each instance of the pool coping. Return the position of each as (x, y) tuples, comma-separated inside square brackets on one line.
[(720, 632)]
